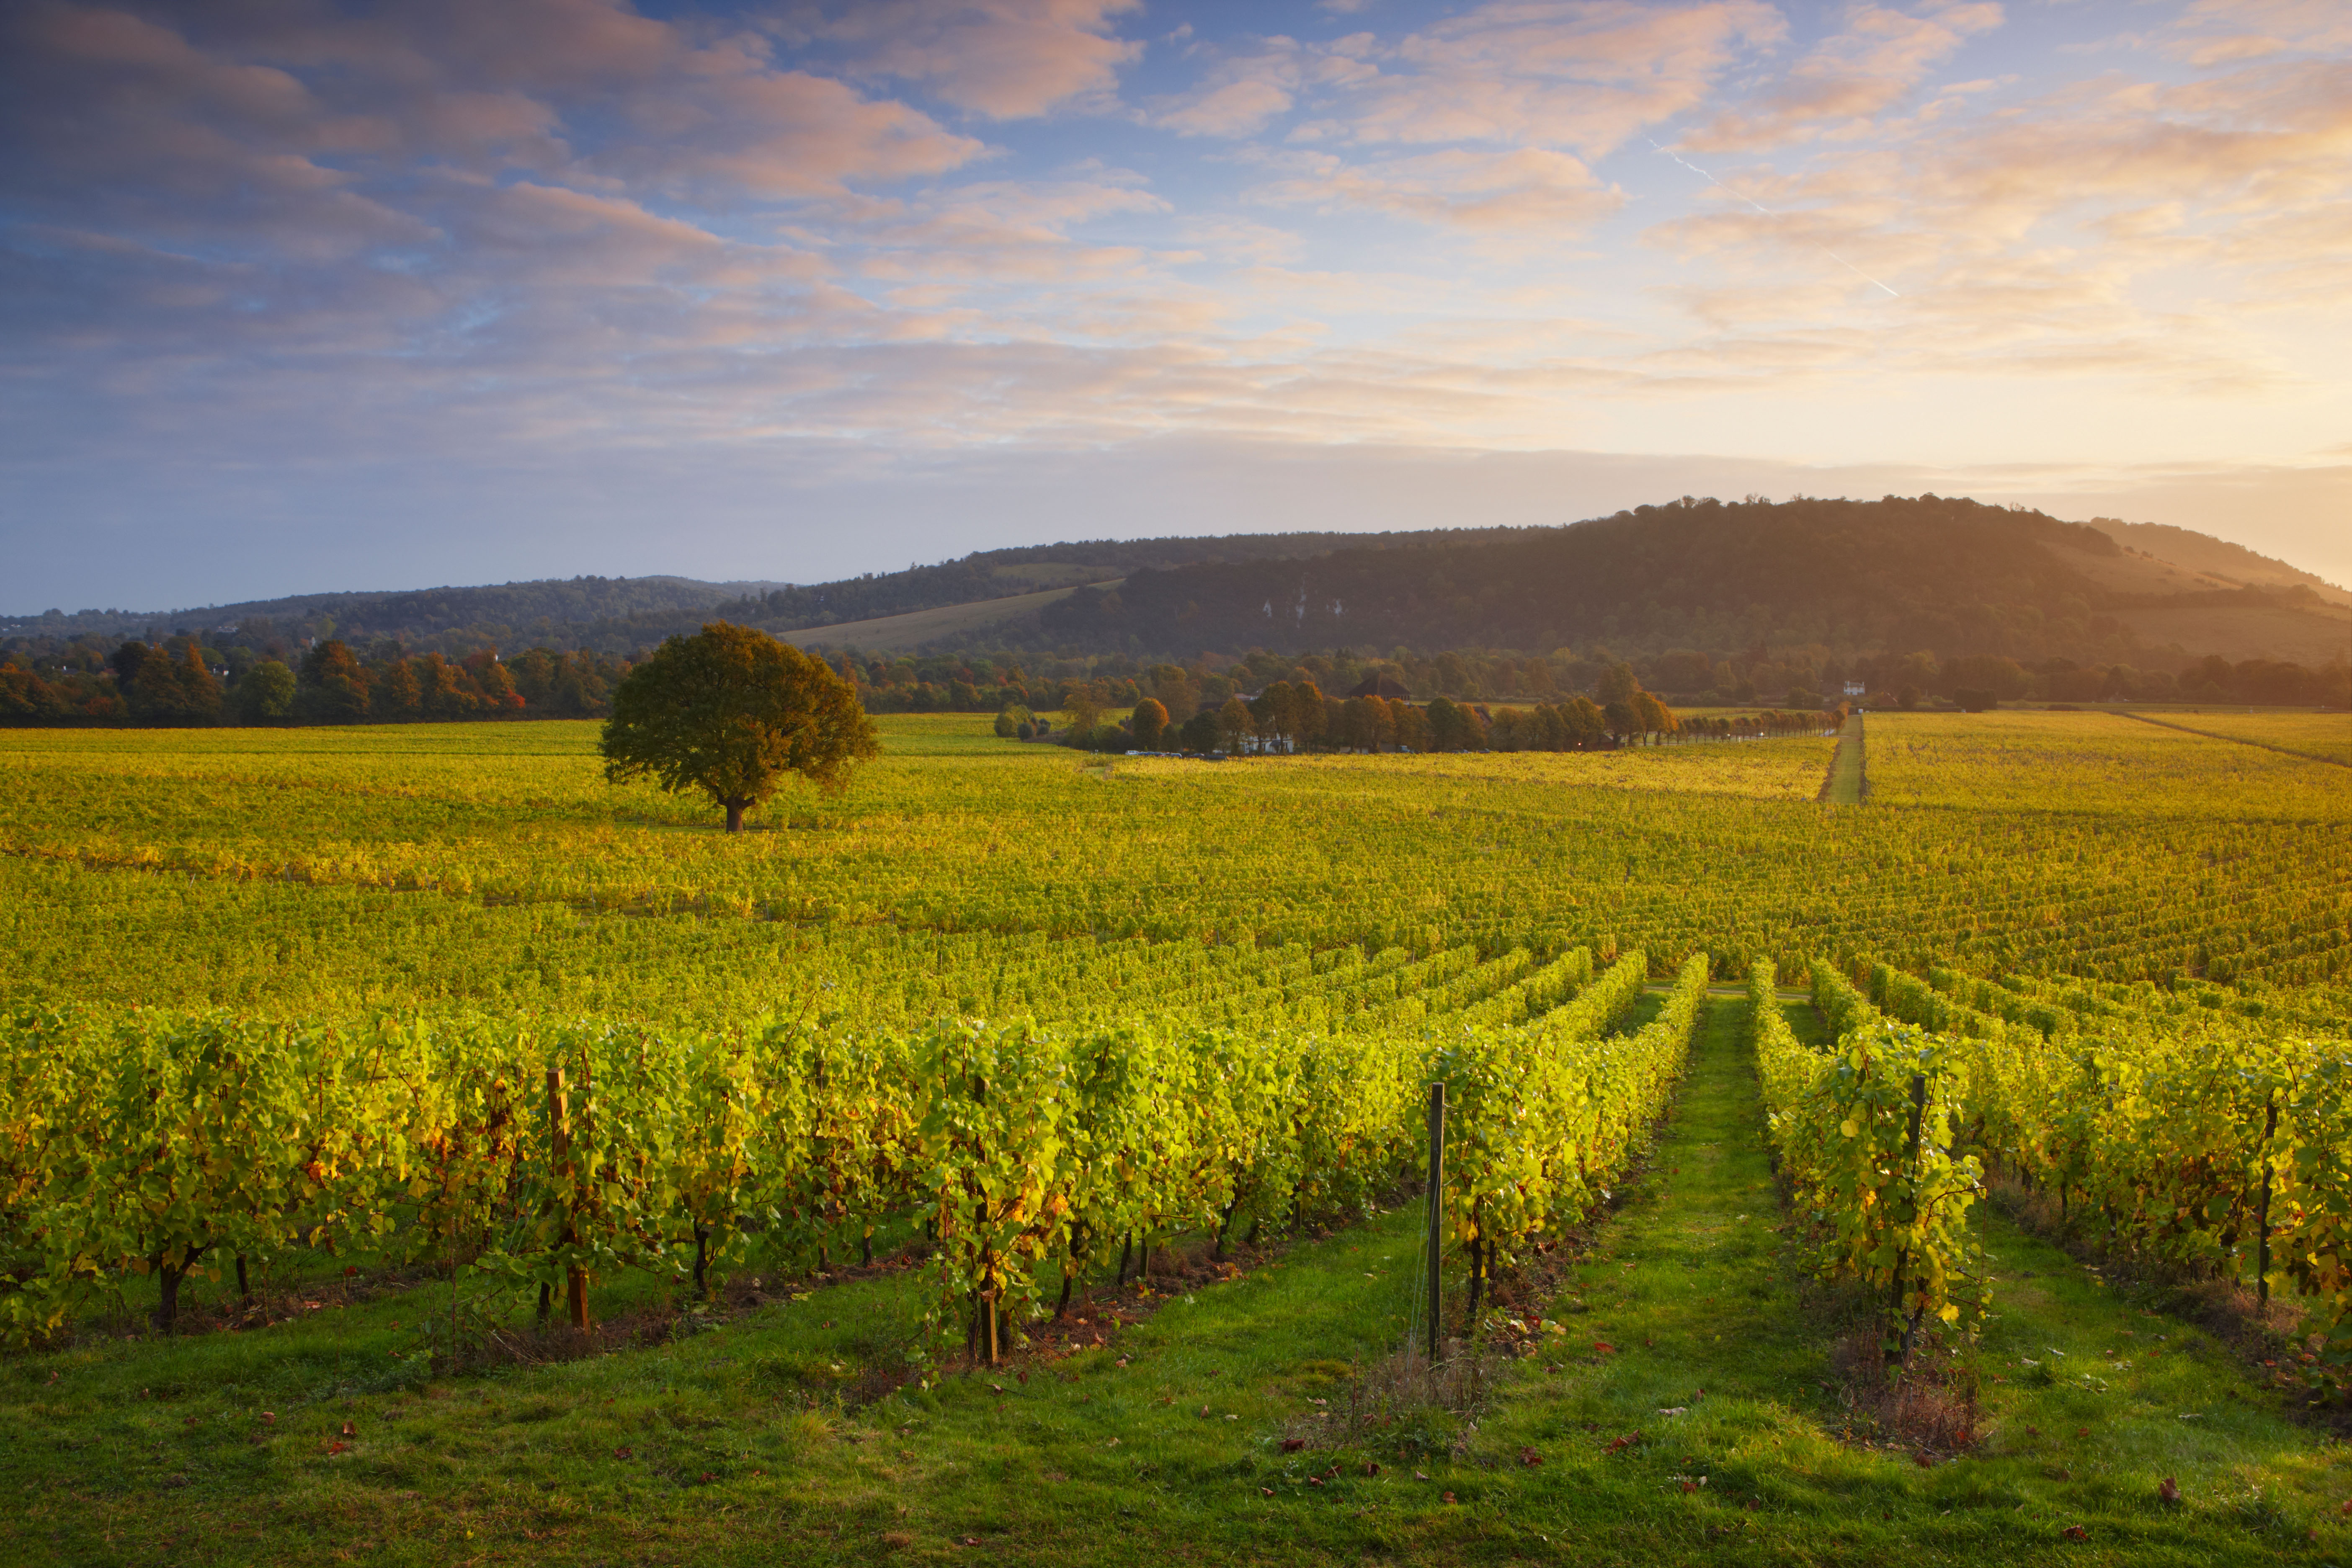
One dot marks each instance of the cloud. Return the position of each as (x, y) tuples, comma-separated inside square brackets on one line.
[(1882, 55), (1524, 190), (1581, 74), (2224, 32), (1009, 59), (1238, 96)]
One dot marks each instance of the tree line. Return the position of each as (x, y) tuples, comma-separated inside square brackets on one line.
[(220, 676), (1291, 716), (185, 682)]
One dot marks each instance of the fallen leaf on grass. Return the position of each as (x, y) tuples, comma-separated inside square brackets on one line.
[(1627, 1441), (1292, 1445), (1419, 1477), (1267, 1490), (1925, 1461), (2076, 1533), (1602, 1347), (1449, 1497), (349, 1430), (1371, 1466), (1529, 1457), (2168, 1490), (623, 1454)]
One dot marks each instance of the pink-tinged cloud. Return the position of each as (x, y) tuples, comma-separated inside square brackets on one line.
[(1009, 59), (1878, 60), (1584, 74), (1238, 96), (1526, 190), (2224, 32)]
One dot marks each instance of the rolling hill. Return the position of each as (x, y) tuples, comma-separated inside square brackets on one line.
[(1947, 574)]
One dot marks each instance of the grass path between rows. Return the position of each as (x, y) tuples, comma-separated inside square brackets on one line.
[(1698, 1291), (1843, 785), (1167, 1445)]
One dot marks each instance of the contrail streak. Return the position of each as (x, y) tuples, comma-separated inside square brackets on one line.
[(1768, 212)]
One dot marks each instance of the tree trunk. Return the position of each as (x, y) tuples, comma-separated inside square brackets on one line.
[(734, 816), (167, 1309), (701, 1259), (244, 1290)]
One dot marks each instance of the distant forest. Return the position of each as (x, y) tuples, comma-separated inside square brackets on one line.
[(1708, 601)]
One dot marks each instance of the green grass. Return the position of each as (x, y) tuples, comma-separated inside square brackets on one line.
[(741, 1449), (1845, 786)]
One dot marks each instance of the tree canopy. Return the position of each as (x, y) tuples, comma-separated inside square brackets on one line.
[(730, 712)]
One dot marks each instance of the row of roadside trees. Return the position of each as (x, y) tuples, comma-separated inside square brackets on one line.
[(1296, 716)]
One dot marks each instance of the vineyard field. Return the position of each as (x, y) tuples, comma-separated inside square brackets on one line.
[(2327, 735), (2103, 765), (978, 835), (407, 1138)]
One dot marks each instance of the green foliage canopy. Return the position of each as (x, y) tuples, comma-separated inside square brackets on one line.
[(730, 712)]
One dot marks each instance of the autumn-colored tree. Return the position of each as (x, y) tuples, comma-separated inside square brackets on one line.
[(168, 691), (443, 690), (333, 686), (1150, 724), (1411, 725), (729, 713), (395, 694), (1304, 720), (491, 679), (1235, 723), (1587, 724)]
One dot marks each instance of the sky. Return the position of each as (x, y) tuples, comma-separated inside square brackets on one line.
[(298, 296)]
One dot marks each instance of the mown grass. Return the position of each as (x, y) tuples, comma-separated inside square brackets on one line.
[(743, 1444)]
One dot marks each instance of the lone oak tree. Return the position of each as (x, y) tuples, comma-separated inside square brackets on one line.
[(730, 712)]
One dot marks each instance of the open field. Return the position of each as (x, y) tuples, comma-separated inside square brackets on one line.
[(1374, 851), (917, 628), (1212, 993), (2327, 735), (2102, 763)]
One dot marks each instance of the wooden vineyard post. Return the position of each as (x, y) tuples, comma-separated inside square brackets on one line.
[(1911, 1160), (559, 1152), (1436, 1207), (576, 1277), (2263, 1213)]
